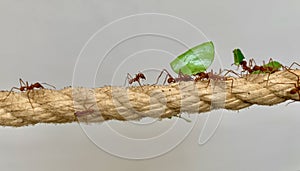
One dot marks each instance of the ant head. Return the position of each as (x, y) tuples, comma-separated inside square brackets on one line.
[(142, 76), (202, 74), (243, 63), (171, 80), (22, 88)]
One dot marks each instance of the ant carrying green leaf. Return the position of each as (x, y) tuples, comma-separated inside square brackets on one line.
[(269, 68), (191, 62)]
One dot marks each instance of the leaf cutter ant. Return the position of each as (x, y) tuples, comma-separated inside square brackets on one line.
[(170, 79), (137, 78), (26, 87), (216, 77)]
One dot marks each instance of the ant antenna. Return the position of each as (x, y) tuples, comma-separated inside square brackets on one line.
[(49, 85)]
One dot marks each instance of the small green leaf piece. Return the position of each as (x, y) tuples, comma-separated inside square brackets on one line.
[(238, 56), (274, 64), (195, 60)]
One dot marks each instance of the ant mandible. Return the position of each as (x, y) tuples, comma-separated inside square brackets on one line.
[(26, 87), (137, 78)]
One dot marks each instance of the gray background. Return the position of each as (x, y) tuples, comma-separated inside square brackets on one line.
[(40, 41)]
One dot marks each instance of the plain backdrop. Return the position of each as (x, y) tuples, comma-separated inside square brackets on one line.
[(41, 41)]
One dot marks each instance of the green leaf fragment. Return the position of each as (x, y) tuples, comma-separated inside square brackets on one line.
[(238, 56), (195, 60), (257, 72), (274, 64)]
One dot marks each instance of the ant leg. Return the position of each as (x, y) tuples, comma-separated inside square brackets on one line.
[(294, 63), (138, 80), (159, 77), (298, 78), (231, 87), (22, 83), (164, 70), (11, 90), (274, 68), (29, 98), (246, 75), (180, 76), (165, 80), (168, 75), (127, 79), (251, 61), (268, 78), (208, 83), (271, 60), (27, 85), (230, 71)]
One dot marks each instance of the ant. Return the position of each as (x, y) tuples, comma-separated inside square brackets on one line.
[(170, 79), (261, 69), (26, 87), (216, 77), (137, 78), (266, 69), (251, 69)]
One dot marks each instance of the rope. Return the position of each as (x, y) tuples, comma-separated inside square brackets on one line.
[(156, 101)]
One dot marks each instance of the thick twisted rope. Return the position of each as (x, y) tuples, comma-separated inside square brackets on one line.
[(156, 101)]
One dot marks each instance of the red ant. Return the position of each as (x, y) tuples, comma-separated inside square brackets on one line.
[(170, 79), (137, 78), (27, 87), (216, 77), (251, 69), (266, 69), (260, 69)]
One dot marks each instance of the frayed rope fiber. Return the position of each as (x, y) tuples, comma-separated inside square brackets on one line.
[(156, 101)]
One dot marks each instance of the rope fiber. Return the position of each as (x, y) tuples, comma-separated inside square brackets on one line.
[(156, 101)]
